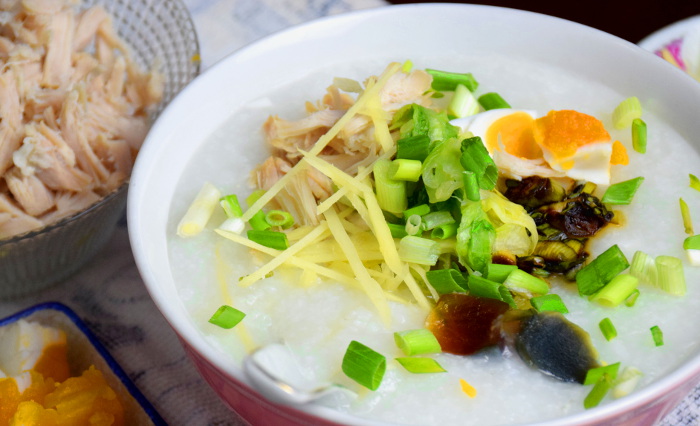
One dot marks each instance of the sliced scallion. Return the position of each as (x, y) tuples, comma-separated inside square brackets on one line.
[(414, 225), (622, 192), (407, 66), (420, 210), (226, 317), (231, 206), (413, 147), (626, 112), (471, 186), (397, 230), (446, 281), (391, 193), (597, 393), (254, 196), (482, 287), (448, 81), (272, 239), (364, 365), (607, 328), (418, 250), (644, 268), (626, 382), (694, 182), (522, 282), (691, 245), (601, 271), (632, 298), (405, 169), (639, 135), (671, 278), (259, 221), (199, 212), (434, 219), (492, 100), (687, 220), (233, 224), (616, 291), (498, 272), (417, 342), (463, 103), (657, 335), (444, 231), (475, 158), (594, 375), (279, 218), (549, 302), (421, 365)]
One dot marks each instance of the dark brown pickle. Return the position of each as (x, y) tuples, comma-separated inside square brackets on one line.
[(463, 323), (580, 217)]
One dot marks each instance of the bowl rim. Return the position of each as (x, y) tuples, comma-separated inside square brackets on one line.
[(193, 338)]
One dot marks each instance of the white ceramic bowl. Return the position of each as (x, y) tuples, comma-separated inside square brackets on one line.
[(403, 32)]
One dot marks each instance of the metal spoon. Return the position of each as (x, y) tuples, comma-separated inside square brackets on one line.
[(275, 373)]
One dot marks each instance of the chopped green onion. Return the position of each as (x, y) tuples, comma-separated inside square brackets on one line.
[(471, 186), (622, 192), (421, 365), (632, 298), (446, 281), (479, 245), (463, 103), (434, 219), (413, 147), (608, 329), (226, 317), (420, 210), (657, 335), (364, 365), (644, 268), (616, 291), (448, 81), (231, 206), (481, 287), (279, 218), (397, 231), (671, 277), (626, 112), (694, 182), (594, 375), (391, 194), (601, 271), (407, 66), (507, 296), (492, 100), (418, 250), (259, 221), (272, 239), (475, 158), (627, 381), (600, 389), (445, 231), (691, 245), (233, 224), (498, 272), (254, 196), (414, 225), (549, 302), (405, 169), (639, 135), (199, 212), (687, 220), (417, 342), (522, 282)]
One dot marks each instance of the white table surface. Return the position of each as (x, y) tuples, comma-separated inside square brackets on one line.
[(108, 293)]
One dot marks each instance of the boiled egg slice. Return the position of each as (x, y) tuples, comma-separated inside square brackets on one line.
[(31, 346), (505, 129), (576, 144)]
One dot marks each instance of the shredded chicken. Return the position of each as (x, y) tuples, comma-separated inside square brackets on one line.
[(73, 111), (355, 145)]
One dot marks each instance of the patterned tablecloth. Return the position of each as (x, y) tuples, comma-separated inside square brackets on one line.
[(109, 294)]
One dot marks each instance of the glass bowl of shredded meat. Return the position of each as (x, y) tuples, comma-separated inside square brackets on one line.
[(80, 84)]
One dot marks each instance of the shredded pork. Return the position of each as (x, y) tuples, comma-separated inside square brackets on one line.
[(355, 145), (73, 110)]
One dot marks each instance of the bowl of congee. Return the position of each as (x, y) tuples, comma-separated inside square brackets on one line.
[(430, 214)]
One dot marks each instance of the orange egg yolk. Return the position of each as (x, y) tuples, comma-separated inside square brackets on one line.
[(514, 134), (563, 132)]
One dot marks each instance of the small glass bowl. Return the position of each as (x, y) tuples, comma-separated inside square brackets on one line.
[(158, 33), (84, 350)]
